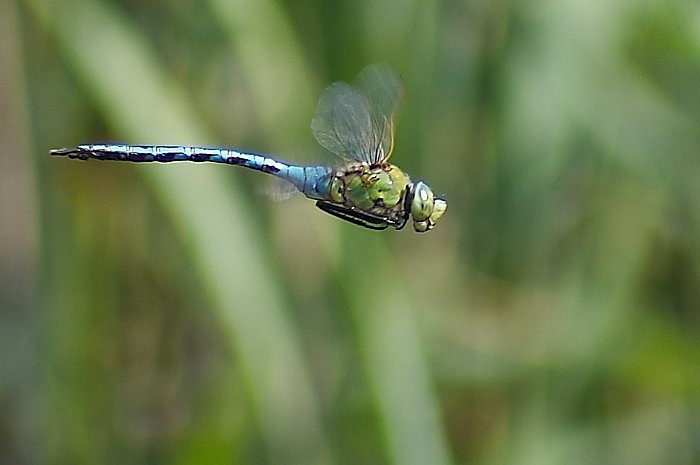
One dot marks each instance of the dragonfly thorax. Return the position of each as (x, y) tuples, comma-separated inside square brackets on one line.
[(376, 190), (382, 195)]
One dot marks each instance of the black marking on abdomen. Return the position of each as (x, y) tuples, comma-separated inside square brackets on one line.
[(271, 169), (166, 156), (200, 157), (103, 155), (140, 157), (234, 160)]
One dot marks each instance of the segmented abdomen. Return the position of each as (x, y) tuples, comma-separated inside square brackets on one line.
[(313, 181)]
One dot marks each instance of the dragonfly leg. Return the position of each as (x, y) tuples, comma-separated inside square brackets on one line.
[(360, 218)]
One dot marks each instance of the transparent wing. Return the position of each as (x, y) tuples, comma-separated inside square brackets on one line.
[(343, 123), (355, 122), (277, 189), (383, 88)]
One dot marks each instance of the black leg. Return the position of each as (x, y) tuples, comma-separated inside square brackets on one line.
[(360, 218)]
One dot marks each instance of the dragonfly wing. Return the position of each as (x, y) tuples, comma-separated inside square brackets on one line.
[(343, 123), (278, 189), (356, 122), (383, 88)]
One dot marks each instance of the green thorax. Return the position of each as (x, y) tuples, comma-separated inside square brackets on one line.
[(377, 189)]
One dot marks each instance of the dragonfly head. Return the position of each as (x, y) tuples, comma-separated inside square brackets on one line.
[(426, 209)]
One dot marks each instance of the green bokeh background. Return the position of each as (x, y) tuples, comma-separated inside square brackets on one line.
[(175, 314)]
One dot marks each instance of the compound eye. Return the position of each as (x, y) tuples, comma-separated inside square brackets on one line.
[(423, 202)]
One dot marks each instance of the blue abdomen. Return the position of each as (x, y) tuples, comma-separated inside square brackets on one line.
[(313, 181)]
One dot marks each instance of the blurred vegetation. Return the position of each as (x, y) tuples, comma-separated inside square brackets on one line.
[(175, 314)]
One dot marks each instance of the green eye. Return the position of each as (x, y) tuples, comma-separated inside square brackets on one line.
[(423, 202)]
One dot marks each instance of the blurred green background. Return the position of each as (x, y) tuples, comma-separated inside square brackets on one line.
[(176, 315)]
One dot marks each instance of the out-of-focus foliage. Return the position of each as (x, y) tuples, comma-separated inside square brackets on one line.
[(176, 314)]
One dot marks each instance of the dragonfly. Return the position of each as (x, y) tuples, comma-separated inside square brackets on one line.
[(353, 121)]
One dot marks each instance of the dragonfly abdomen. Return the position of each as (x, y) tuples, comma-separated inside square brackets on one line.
[(170, 153), (313, 181)]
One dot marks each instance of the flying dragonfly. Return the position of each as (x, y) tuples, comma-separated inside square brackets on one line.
[(355, 122)]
